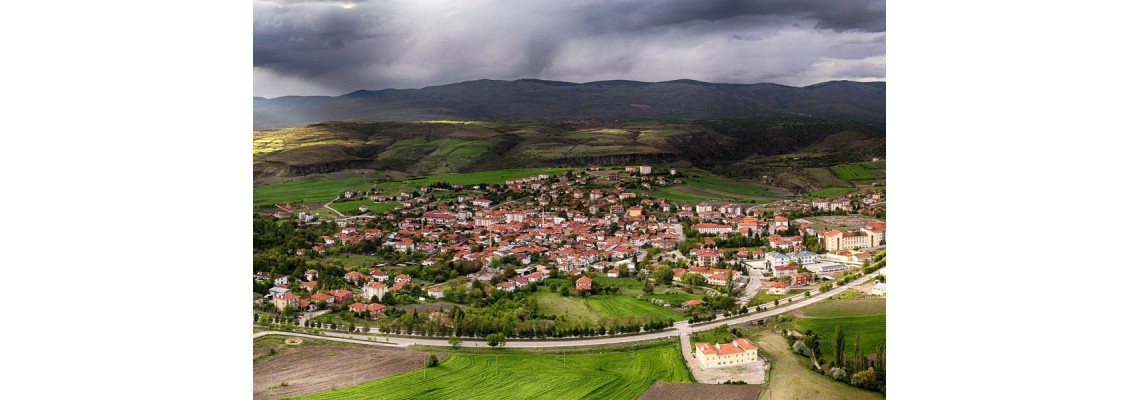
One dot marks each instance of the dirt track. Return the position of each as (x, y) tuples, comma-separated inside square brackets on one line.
[(312, 368)]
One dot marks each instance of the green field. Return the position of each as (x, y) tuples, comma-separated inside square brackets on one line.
[(729, 186), (846, 308), (832, 192), (598, 307), (351, 207), (324, 189), (309, 190), (860, 171), (871, 329), (826, 178), (515, 374), (674, 298), (622, 307)]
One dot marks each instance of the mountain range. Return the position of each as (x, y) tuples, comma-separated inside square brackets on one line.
[(531, 99)]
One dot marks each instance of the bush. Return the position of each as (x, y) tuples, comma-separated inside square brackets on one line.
[(838, 374), (433, 361), (864, 379), (800, 348)]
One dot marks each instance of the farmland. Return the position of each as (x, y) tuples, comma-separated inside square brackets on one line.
[(311, 189), (670, 391), (865, 171), (846, 308), (514, 374), (832, 192), (282, 370)]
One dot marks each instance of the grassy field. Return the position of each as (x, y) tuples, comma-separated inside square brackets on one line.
[(596, 308), (826, 178), (674, 298), (323, 188), (871, 329), (574, 308), (846, 308), (860, 171), (832, 192), (347, 207), (791, 380), (620, 307), (312, 189), (734, 187), (514, 374)]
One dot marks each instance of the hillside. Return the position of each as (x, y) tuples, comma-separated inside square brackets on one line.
[(536, 99), (747, 145)]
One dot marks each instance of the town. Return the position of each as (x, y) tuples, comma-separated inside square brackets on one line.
[(572, 254)]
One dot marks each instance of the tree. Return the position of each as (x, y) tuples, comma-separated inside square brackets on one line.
[(693, 280), (455, 342), (839, 345), (374, 300), (663, 276), (496, 339), (433, 361), (648, 288)]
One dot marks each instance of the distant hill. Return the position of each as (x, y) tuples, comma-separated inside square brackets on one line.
[(527, 99), (738, 146)]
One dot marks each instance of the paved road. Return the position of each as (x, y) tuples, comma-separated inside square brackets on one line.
[(680, 328)]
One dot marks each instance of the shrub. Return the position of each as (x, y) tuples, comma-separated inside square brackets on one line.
[(433, 361), (800, 348), (838, 374)]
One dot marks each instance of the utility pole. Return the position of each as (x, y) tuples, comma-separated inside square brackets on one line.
[(425, 366)]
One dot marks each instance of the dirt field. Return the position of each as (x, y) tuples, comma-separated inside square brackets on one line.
[(698, 391), (317, 366)]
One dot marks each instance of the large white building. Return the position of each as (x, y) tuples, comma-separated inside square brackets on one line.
[(736, 352), (834, 240)]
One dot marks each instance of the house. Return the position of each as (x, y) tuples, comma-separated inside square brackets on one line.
[(375, 289), (309, 286), (800, 279), (353, 276), (805, 257), (280, 279), (879, 289), (584, 283), (286, 300), (778, 288), (719, 278), (506, 286), (379, 276), (481, 202), (321, 297), (645, 169), (776, 259), (705, 256), (340, 296), (736, 352), (374, 310), (435, 292), (262, 276), (535, 277), (613, 273), (311, 275), (781, 271), (401, 278)]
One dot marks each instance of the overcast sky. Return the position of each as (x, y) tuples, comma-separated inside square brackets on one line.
[(324, 47)]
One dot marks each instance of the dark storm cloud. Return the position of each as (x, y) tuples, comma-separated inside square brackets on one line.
[(333, 47)]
